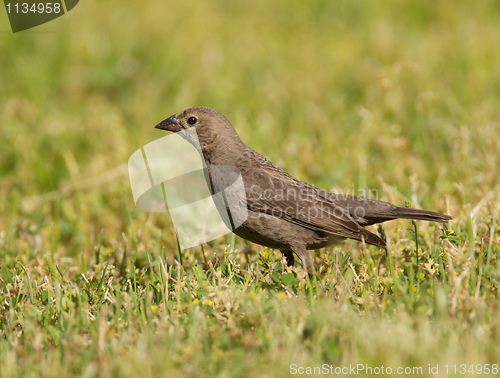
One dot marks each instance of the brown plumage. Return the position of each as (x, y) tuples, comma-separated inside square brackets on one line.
[(283, 212)]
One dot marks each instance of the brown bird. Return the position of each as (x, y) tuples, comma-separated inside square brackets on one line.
[(284, 213)]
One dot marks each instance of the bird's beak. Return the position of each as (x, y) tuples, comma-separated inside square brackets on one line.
[(169, 124)]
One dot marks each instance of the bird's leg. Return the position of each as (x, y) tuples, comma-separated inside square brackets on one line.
[(290, 260), (304, 256)]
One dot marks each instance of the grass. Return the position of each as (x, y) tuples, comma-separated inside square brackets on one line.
[(398, 97)]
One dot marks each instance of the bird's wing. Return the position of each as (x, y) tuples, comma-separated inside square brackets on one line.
[(273, 191)]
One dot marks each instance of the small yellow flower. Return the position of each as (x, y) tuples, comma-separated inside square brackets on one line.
[(265, 254), (220, 352), (196, 301), (414, 289), (422, 275), (207, 302), (252, 294), (266, 336), (154, 309), (281, 295)]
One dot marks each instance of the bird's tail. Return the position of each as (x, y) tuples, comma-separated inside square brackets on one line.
[(402, 213), (367, 211), (386, 212), (409, 213)]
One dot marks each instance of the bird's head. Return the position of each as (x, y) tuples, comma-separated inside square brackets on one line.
[(212, 128), (199, 117)]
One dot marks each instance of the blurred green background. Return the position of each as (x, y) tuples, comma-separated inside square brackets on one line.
[(337, 93)]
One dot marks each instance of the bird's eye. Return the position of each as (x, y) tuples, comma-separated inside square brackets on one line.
[(192, 120)]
